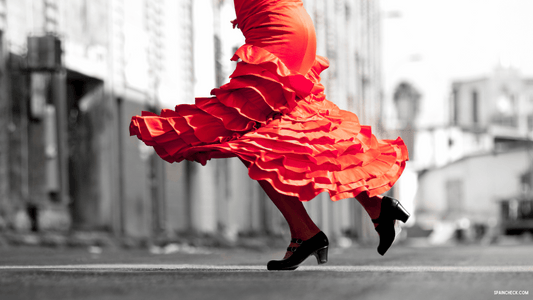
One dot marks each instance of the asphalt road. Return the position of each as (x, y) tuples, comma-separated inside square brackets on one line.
[(460, 272)]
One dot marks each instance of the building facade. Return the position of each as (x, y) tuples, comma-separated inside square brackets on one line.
[(67, 161), (483, 156)]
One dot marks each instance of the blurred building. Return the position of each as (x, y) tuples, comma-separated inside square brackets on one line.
[(483, 156), (74, 72)]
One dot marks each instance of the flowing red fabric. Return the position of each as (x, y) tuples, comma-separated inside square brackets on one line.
[(273, 115)]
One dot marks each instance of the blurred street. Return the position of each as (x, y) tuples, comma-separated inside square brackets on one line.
[(452, 272)]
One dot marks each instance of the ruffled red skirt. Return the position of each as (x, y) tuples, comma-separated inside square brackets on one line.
[(279, 122)]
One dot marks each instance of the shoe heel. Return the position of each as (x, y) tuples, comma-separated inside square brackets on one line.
[(321, 255), (400, 213)]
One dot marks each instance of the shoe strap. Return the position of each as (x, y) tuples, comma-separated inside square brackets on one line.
[(292, 249), (297, 241)]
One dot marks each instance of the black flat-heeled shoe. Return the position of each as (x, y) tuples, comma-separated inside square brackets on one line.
[(317, 246), (388, 227)]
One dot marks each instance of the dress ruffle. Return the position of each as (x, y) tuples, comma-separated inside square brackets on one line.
[(281, 124)]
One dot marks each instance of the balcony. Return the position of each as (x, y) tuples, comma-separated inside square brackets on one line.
[(509, 121)]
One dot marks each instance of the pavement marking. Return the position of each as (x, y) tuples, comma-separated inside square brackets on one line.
[(260, 268)]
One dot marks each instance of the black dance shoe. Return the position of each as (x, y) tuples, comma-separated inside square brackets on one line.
[(317, 246), (388, 227)]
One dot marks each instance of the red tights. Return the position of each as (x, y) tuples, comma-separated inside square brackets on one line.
[(300, 224)]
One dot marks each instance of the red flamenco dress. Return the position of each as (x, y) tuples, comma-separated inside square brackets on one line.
[(274, 116)]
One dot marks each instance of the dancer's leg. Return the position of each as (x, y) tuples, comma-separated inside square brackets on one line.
[(300, 224), (372, 205)]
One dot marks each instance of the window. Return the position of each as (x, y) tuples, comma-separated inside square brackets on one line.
[(455, 107), (454, 195), (530, 122), (475, 107)]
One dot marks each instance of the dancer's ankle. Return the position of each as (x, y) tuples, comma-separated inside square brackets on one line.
[(375, 211), (289, 253), (298, 238), (306, 234), (372, 205)]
